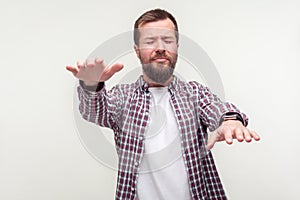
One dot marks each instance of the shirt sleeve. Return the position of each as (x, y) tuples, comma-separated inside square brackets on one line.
[(211, 108), (99, 106)]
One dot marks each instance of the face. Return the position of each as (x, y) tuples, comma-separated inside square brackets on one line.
[(157, 50)]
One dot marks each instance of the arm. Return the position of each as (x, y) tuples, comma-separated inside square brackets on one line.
[(211, 109), (100, 106), (96, 104), (212, 113)]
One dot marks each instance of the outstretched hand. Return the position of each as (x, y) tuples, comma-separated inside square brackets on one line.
[(94, 71), (229, 130)]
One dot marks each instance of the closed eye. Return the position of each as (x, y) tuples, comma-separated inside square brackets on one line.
[(149, 42), (169, 41)]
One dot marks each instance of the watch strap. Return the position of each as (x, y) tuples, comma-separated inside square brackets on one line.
[(231, 116), (95, 88)]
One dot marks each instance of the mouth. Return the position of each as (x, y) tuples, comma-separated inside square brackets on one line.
[(160, 59)]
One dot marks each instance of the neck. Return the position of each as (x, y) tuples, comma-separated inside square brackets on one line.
[(152, 83)]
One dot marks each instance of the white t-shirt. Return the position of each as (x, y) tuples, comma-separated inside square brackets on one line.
[(162, 173)]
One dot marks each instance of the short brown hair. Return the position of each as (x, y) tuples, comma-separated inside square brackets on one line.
[(153, 16)]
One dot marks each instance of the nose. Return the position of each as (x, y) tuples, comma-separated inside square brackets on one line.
[(160, 47)]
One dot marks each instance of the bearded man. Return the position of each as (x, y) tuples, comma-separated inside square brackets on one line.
[(146, 170)]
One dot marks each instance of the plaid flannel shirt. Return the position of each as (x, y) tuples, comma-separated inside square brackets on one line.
[(125, 109)]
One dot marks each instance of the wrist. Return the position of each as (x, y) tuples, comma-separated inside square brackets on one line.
[(231, 116), (93, 87), (90, 83)]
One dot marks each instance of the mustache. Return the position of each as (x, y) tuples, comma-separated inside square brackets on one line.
[(161, 56)]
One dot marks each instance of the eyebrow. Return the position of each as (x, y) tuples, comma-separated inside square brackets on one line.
[(154, 37), (149, 38), (168, 37)]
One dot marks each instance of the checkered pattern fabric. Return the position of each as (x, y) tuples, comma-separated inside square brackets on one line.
[(125, 109)]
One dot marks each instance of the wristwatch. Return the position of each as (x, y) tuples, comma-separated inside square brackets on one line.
[(95, 88), (231, 116)]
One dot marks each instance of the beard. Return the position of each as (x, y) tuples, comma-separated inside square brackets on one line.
[(159, 72)]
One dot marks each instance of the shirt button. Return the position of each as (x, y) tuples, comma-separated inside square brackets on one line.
[(132, 189), (141, 138), (136, 164)]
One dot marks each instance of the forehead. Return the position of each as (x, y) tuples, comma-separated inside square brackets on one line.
[(162, 27), (164, 24)]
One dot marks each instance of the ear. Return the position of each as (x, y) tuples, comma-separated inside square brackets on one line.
[(137, 51)]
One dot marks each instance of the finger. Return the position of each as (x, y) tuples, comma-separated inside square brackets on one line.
[(209, 146), (212, 139), (228, 135), (72, 69), (239, 134), (254, 135), (116, 67), (90, 63), (98, 60), (80, 64), (110, 71), (247, 135)]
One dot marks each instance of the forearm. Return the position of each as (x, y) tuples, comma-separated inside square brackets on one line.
[(212, 109), (93, 104)]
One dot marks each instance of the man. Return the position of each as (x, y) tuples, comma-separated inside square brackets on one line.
[(131, 111)]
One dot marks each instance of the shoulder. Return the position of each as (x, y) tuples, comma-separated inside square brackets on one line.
[(195, 85), (123, 89), (126, 88), (195, 89), (192, 86)]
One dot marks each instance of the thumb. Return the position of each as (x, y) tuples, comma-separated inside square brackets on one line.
[(116, 67), (211, 141), (72, 69), (110, 71)]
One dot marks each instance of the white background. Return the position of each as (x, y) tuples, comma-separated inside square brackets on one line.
[(255, 46)]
